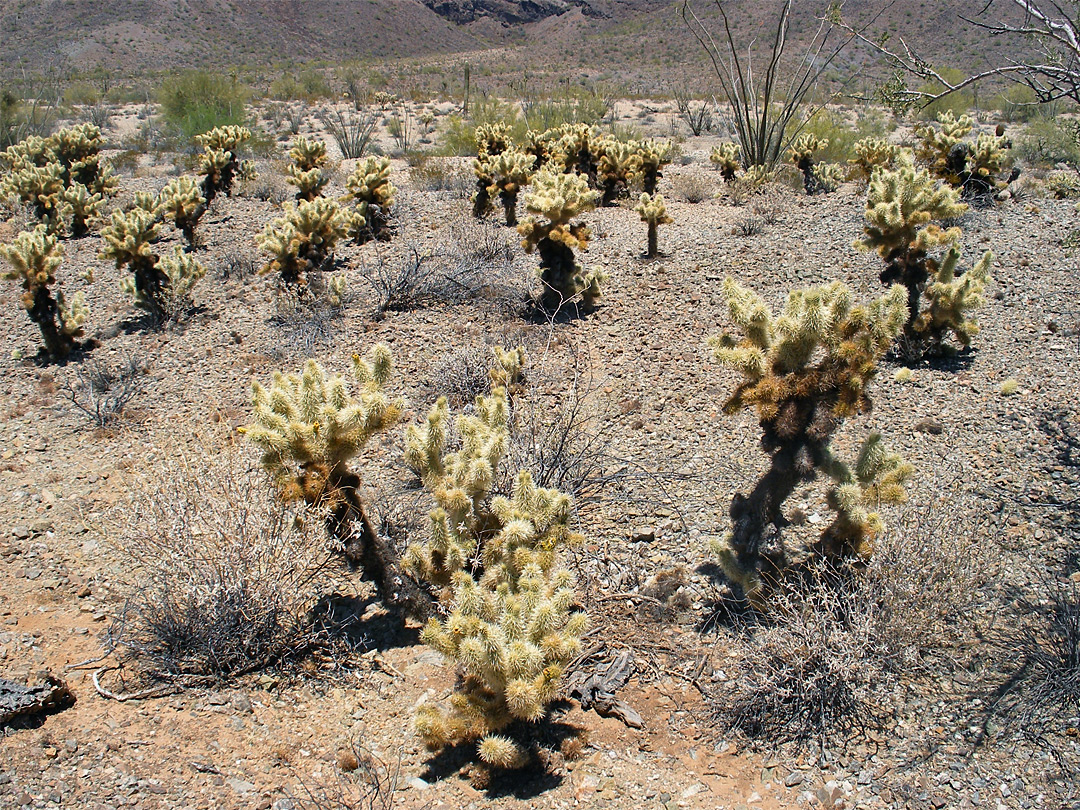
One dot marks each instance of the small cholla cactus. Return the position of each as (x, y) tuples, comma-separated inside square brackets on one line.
[(828, 176), (304, 238), (801, 154), (871, 154), (652, 157), (34, 257), (725, 157), (509, 621), (578, 150), (541, 145), (619, 164), (902, 207), (309, 427), (372, 194), (78, 203), (508, 370), (306, 172), (508, 172), (803, 372), (182, 202), (41, 188), (180, 272), (559, 198), (220, 162), (653, 213)]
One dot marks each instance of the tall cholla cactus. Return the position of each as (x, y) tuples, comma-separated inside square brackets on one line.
[(485, 179), (619, 164), (303, 240), (559, 198), (34, 257), (817, 178), (310, 426), (653, 213), (509, 624), (372, 194), (725, 156), (182, 202), (652, 157), (220, 162), (508, 172), (974, 168), (872, 154), (803, 372), (902, 207), (306, 172)]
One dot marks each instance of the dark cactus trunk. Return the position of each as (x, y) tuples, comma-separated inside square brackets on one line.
[(649, 181), (45, 313), (509, 202), (653, 248), (557, 269)]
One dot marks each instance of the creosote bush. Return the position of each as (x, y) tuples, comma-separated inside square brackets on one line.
[(34, 258), (804, 371), (653, 213), (559, 198), (371, 193)]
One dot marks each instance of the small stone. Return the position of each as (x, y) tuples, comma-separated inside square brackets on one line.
[(20, 533), (418, 784), (794, 778), (643, 534), (71, 745), (931, 426), (83, 592), (240, 786)]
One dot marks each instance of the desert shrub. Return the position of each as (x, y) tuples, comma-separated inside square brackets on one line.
[(955, 104), (351, 131), (839, 135), (438, 174), (803, 372), (574, 105), (1017, 104), (304, 322), (1047, 143), (308, 85), (221, 578), (34, 258), (197, 101), (361, 781), (101, 391), (692, 188)]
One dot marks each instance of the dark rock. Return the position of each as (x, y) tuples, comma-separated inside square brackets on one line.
[(931, 426)]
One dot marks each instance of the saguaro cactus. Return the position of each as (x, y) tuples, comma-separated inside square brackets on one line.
[(34, 257), (559, 198), (803, 372), (654, 214)]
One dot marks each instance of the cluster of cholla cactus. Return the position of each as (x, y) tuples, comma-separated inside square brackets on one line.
[(157, 285), (508, 620), (653, 214), (220, 162), (803, 372), (62, 178), (306, 170), (976, 168), (725, 156), (34, 257), (903, 208), (303, 239), (371, 193), (309, 427), (181, 202), (817, 177), (871, 154), (653, 156), (559, 198)]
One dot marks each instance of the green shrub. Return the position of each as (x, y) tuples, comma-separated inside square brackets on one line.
[(1046, 143), (958, 103), (834, 127), (308, 85), (197, 101)]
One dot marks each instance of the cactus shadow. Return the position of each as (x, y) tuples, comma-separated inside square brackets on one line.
[(79, 352), (949, 363), (727, 609), (348, 620)]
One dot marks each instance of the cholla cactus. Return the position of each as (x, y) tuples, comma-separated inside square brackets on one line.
[(220, 162), (541, 145), (41, 188), (309, 427), (578, 150), (619, 164), (34, 257), (306, 172), (182, 202), (128, 240), (652, 157), (372, 193), (303, 240), (559, 198), (508, 370), (949, 300), (974, 168), (653, 213), (803, 372), (828, 176), (901, 209), (801, 154), (872, 154), (509, 624), (78, 203), (725, 157), (509, 171), (491, 139), (484, 180)]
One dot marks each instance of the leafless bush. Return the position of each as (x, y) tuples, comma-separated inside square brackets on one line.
[(239, 264), (462, 374), (100, 115), (268, 185), (698, 115), (221, 578), (692, 188), (101, 391), (303, 322), (361, 781), (443, 174), (750, 225), (351, 132)]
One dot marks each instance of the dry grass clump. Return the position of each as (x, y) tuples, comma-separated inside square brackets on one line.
[(360, 781), (221, 578)]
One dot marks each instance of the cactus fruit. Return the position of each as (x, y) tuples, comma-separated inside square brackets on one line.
[(509, 622), (372, 194), (182, 202), (34, 257), (306, 171), (309, 427), (902, 207), (652, 157), (801, 154), (618, 165), (653, 213), (220, 162), (559, 198), (725, 157), (304, 238), (803, 372), (508, 172), (871, 154)]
